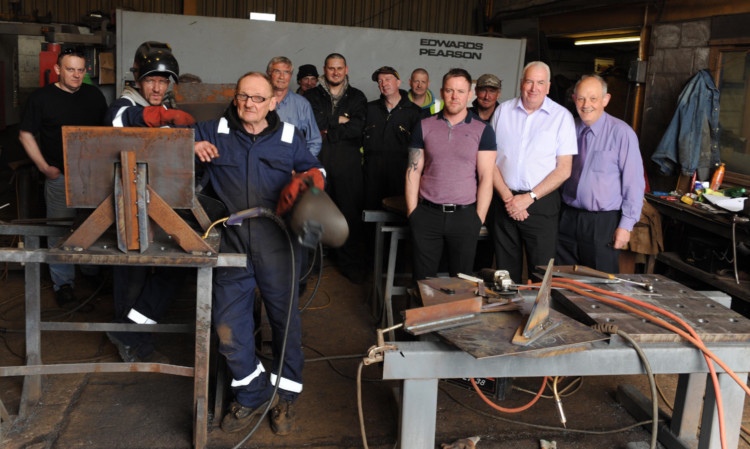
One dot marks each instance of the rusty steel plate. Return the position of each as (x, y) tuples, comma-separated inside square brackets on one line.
[(712, 321), (91, 153), (492, 335), (204, 101)]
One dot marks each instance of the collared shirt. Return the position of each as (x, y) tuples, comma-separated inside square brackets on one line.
[(612, 175), (295, 109), (449, 175), (528, 144)]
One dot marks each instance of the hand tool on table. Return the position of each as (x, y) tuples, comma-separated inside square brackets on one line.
[(586, 271)]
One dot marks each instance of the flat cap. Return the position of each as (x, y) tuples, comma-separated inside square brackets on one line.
[(385, 69)]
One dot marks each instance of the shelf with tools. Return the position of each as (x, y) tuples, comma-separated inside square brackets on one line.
[(700, 244)]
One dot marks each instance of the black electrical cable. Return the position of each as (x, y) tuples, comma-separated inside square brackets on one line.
[(329, 361), (613, 329), (267, 213), (312, 264), (318, 250)]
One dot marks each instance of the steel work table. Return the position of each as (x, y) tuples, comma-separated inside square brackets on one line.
[(33, 257), (421, 364)]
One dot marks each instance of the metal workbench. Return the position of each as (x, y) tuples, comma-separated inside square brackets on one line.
[(33, 257), (420, 364)]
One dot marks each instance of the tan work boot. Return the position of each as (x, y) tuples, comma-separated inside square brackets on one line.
[(282, 418)]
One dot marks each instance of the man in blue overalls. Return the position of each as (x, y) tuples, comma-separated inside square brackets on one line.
[(249, 156)]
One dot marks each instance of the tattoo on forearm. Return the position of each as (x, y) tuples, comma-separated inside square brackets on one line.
[(415, 156)]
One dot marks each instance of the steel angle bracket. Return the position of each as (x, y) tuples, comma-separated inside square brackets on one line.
[(443, 316), (539, 321)]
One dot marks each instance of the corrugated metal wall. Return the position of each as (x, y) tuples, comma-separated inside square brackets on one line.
[(438, 16)]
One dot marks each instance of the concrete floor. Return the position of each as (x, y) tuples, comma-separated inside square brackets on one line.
[(139, 410)]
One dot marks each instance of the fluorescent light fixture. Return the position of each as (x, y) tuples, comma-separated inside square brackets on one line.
[(263, 16), (608, 40)]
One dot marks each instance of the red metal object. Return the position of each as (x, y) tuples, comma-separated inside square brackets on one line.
[(47, 62)]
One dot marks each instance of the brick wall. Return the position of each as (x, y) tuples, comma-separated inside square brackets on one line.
[(677, 52)]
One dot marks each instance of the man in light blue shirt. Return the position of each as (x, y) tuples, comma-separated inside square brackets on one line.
[(603, 197), (293, 108), (536, 142)]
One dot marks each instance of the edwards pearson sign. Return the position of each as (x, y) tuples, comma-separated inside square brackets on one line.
[(450, 49)]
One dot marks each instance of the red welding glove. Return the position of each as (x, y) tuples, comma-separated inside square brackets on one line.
[(158, 116), (300, 183)]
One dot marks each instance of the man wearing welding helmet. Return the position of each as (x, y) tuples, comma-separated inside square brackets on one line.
[(143, 105), (250, 155), (143, 294)]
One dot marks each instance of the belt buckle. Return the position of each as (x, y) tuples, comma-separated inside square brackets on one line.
[(449, 208)]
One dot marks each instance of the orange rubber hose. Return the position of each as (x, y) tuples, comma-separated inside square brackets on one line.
[(509, 410), (692, 338)]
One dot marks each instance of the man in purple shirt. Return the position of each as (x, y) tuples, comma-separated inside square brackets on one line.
[(449, 181), (603, 197)]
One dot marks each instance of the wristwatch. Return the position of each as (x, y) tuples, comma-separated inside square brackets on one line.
[(532, 195)]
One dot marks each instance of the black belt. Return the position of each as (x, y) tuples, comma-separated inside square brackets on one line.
[(447, 208)]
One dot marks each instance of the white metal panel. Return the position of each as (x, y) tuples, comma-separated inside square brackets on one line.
[(220, 50)]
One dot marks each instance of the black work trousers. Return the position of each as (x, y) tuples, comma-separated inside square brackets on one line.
[(586, 238), (537, 235), (432, 228)]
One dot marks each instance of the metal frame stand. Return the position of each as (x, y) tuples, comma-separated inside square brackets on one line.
[(421, 364), (33, 257)]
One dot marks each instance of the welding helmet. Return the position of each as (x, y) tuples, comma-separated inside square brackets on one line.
[(155, 58)]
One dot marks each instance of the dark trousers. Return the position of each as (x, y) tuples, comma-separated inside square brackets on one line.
[(585, 238), (432, 228), (344, 185), (268, 268), (537, 235), (148, 290)]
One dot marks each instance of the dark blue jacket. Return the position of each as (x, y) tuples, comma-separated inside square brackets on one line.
[(251, 170), (691, 140)]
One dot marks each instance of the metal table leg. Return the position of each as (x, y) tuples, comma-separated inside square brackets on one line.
[(419, 414), (202, 349), (687, 407), (32, 385), (377, 278), (733, 398)]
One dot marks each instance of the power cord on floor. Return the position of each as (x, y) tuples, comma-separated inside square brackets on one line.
[(613, 329), (329, 360), (540, 426)]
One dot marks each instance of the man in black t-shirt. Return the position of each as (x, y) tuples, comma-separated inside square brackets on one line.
[(65, 102)]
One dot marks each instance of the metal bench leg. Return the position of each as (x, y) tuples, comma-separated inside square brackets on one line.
[(202, 349), (32, 385), (733, 398)]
